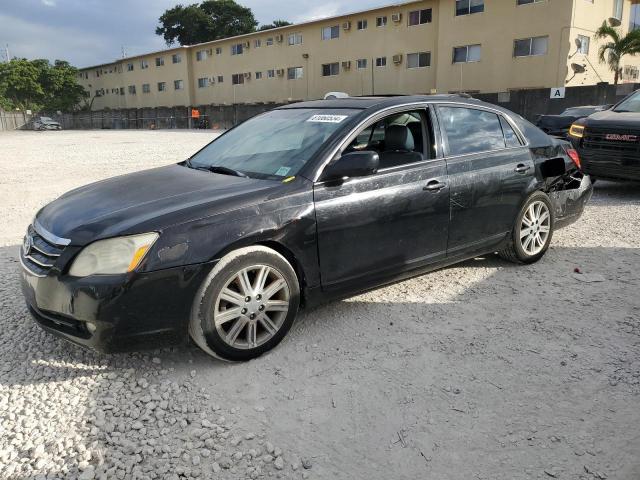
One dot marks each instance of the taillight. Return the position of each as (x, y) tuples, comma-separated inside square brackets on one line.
[(573, 154)]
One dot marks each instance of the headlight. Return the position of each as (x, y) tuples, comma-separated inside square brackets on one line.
[(112, 256), (576, 131)]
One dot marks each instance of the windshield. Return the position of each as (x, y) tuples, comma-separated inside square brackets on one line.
[(45, 119), (273, 145), (630, 104), (579, 112)]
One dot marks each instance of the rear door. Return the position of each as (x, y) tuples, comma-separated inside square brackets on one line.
[(397, 219), (490, 170)]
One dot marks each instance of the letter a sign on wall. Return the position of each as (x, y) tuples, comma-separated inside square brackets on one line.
[(557, 92)]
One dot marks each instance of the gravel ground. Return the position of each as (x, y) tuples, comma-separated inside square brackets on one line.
[(480, 371)]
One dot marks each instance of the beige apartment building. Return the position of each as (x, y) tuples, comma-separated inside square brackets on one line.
[(428, 46)]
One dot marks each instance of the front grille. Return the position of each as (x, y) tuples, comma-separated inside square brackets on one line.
[(40, 251), (610, 158)]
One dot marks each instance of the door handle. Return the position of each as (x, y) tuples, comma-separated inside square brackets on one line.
[(522, 168), (434, 186)]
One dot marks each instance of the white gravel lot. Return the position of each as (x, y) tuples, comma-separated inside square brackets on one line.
[(485, 370)]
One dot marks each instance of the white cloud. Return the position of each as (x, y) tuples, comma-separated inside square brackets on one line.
[(49, 3), (327, 10)]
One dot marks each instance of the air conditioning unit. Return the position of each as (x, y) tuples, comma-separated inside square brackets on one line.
[(346, 26), (396, 17), (346, 65), (212, 80), (246, 45), (280, 72), (209, 51), (397, 59), (247, 75), (279, 38)]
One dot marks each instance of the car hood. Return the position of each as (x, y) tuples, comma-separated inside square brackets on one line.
[(150, 200), (609, 118)]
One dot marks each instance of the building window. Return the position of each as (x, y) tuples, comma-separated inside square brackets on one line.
[(466, 54), (528, 47), (121, 90), (617, 9), (361, 63), (527, 2), (381, 21), (584, 44), (237, 78), (258, 75), (295, 39), (159, 61), (146, 88), (293, 73), (144, 64), (129, 68), (203, 82), (330, 69), (218, 50), (381, 62), (257, 43), (176, 58), (237, 49), (362, 24), (220, 79), (201, 55), (178, 84), (419, 17), (132, 89), (418, 60), (269, 41), (162, 86), (467, 7), (329, 33), (271, 73)]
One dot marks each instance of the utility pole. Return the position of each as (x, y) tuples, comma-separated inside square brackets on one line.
[(6, 49)]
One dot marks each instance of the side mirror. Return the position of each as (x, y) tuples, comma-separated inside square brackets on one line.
[(353, 164)]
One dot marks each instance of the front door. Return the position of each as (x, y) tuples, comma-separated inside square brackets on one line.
[(372, 227), (490, 172)]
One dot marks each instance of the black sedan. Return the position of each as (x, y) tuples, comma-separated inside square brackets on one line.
[(303, 204), (558, 125)]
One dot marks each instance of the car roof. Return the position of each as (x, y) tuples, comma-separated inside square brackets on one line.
[(364, 103)]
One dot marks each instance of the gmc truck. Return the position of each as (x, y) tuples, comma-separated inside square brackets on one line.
[(608, 142)]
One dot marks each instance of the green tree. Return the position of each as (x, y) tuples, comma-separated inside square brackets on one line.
[(274, 24), (19, 84), (38, 85), (209, 20), (617, 47)]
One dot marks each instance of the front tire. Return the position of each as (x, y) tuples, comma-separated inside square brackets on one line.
[(246, 305), (532, 232)]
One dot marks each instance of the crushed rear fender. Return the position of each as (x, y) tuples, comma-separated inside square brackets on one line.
[(569, 197)]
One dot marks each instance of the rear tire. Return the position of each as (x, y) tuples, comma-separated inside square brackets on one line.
[(532, 232), (246, 305)]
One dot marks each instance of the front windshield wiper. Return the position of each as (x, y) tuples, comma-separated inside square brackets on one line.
[(217, 169)]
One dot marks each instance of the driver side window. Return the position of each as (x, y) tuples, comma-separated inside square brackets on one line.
[(398, 139)]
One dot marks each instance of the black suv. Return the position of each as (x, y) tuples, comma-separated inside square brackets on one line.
[(609, 142)]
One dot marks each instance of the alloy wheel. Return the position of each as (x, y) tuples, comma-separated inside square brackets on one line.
[(535, 228), (251, 307)]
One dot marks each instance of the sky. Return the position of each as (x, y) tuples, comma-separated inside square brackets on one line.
[(91, 32)]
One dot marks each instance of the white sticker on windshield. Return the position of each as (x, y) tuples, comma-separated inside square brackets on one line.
[(327, 118), (282, 171)]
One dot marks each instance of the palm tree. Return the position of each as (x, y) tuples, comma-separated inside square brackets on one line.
[(613, 51)]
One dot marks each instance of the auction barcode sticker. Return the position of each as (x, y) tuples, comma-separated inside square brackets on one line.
[(327, 118)]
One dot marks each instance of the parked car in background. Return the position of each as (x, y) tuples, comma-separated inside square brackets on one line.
[(46, 123), (558, 125), (609, 141), (305, 203)]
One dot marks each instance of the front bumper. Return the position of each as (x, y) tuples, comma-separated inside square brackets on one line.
[(569, 204), (116, 313)]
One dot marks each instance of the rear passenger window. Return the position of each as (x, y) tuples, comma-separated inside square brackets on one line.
[(471, 131), (510, 137)]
